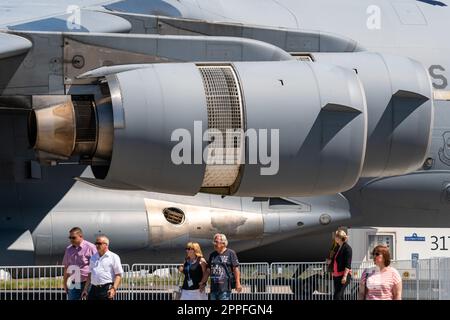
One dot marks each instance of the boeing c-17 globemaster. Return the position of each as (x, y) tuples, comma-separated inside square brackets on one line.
[(350, 99)]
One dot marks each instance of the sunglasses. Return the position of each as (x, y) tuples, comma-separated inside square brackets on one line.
[(99, 243), (376, 254), (72, 238), (189, 249)]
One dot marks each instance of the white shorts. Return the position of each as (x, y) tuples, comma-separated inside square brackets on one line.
[(193, 295)]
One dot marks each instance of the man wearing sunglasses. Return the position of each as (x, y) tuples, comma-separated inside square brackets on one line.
[(105, 272), (76, 263)]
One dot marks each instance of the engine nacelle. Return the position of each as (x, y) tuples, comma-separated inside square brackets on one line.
[(400, 110), (274, 128), (288, 128)]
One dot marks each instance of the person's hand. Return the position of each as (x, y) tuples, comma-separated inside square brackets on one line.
[(238, 288), (111, 293), (202, 287), (65, 287), (328, 261), (180, 268), (84, 295), (344, 280)]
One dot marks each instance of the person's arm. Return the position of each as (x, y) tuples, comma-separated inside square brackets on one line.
[(397, 288), (362, 286), (87, 285), (112, 292), (344, 277), (331, 253), (348, 263), (65, 276), (397, 291), (84, 294), (236, 271), (118, 271), (237, 276), (205, 276), (181, 267)]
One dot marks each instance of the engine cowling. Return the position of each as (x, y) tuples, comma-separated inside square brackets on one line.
[(288, 128), (311, 118), (400, 110)]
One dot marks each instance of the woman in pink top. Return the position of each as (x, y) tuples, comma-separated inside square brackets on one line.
[(382, 282)]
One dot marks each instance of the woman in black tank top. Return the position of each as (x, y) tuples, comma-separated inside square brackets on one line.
[(193, 274), (194, 270)]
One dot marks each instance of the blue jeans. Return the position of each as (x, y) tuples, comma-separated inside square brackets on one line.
[(224, 295), (75, 294)]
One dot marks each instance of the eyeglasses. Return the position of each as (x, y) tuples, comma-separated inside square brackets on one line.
[(99, 243), (72, 238), (214, 242)]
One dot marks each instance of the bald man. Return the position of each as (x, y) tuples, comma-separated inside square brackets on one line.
[(105, 272)]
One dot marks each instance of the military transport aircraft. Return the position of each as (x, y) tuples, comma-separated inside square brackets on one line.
[(273, 121)]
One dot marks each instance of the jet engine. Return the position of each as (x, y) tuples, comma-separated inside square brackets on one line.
[(288, 128)]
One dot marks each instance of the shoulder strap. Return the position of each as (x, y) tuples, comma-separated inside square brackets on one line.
[(226, 269)]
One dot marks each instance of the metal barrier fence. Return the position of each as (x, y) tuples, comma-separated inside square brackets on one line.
[(40, 283), (154, 281), (300, 281), (32, 283), (444, 279), (125, 289), (255, 282), (421, 280)]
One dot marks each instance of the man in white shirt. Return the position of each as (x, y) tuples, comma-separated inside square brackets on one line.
[(105, 272)]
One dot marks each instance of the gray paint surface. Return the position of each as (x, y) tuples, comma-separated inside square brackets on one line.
[(409, 28)]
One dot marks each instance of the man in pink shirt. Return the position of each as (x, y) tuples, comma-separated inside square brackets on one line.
[(76, 263)]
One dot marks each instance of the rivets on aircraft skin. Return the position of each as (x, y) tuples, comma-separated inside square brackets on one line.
[(78, 62)]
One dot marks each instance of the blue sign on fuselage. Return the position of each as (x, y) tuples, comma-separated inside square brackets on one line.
[(414, 237)]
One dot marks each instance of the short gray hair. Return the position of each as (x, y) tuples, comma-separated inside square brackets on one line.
[(223, 238), (104, 238)]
